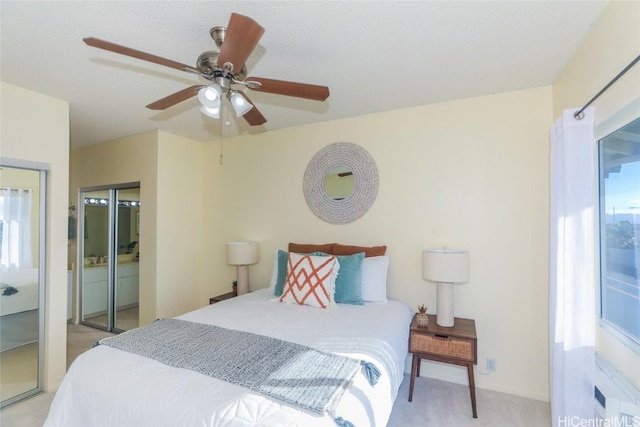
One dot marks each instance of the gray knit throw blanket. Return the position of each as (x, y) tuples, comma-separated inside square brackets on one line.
[(302, 376)]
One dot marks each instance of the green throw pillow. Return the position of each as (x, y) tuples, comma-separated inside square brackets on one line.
[(283, 257), (349, 281)]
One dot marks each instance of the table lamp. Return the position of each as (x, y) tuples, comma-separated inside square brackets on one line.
[(446, 267), (242, 254)]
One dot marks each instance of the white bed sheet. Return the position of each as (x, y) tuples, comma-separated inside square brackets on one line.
[(109, 387), (26, 282)]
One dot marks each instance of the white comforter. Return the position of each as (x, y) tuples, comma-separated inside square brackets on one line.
[(109, 387)]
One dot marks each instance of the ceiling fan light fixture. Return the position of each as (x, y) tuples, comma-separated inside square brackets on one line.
[(213, 112), (240, 104), (209, 96)]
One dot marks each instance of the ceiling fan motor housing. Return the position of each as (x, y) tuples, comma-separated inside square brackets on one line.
[(208, 64), (217, 34)]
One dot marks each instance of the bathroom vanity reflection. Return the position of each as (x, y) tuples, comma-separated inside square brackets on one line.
[(96, 282)]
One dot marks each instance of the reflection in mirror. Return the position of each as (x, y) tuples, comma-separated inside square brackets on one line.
[(95, 231), (95, 276), (21, 285), (339, 183), (95, 234)]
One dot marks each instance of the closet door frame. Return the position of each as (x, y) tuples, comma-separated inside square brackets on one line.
[(112, 264)]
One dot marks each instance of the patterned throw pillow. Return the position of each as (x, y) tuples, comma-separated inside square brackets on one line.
[(311, 280)]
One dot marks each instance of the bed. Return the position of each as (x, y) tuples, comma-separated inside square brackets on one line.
[(25, 282), (18, 308), (108, 386)]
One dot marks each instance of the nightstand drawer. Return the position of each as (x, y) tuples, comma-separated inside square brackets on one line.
[(443, 345)]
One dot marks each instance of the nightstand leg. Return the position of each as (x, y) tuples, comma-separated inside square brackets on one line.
[(472, 390), (418, 370), (414, 366)]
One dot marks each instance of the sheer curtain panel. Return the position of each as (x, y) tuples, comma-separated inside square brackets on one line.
[(572, 268), (15, 216)]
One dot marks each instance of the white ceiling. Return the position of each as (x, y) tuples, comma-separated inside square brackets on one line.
[(373, 55)]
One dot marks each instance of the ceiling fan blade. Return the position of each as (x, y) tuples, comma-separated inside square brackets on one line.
[(174, 98), (102, 44), (254, 117), (241, 37), (299, 90)]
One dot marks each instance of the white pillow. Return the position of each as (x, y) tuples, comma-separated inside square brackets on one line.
[(374, 278)]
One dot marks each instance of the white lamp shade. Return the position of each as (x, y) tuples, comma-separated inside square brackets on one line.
[(211, 112), (240, 105), (445, 265), (209, 96), (242, 253)]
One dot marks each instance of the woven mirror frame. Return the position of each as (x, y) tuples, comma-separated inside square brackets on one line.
[(353, 158)]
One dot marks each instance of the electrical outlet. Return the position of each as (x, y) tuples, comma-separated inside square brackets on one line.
[(491, 364)]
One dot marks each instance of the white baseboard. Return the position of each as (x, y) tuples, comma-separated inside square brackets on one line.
[(458, 375)]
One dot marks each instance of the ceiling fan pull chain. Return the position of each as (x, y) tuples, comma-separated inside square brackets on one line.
[(221, 138)]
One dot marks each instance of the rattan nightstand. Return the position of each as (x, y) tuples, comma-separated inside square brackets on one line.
[(457, 345)]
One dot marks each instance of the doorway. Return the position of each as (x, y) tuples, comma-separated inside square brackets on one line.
[(22, 284), (109, 291)]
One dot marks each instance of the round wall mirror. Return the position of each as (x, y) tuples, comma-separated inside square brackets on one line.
[(340, 183)]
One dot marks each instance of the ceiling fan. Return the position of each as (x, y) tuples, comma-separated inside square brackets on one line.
[(225, 69)]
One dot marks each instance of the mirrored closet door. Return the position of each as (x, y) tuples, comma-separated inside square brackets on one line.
[(109, 264), (22, 203)]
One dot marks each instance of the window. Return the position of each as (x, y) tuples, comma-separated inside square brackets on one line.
[(619, 155)]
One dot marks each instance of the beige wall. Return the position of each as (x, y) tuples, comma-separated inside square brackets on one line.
[(215, 278), (180, 219), (469, 174), (612, 44), (35, 129), (169, 169)]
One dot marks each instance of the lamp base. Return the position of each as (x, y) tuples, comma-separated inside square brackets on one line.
[(243, 279), (445, 305)]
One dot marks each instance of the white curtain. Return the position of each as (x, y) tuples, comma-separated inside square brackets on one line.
[(572, 298), (15, 214)]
